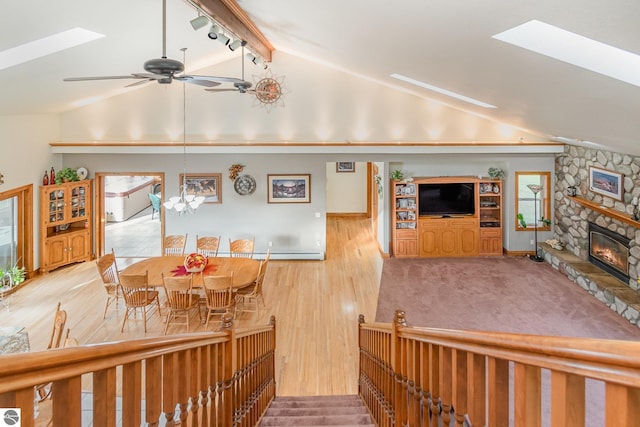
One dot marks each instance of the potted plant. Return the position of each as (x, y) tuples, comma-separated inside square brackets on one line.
[(397, 175), (11, 276), (66, 175), (496, 173)]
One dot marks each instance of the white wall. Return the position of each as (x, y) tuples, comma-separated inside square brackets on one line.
[(25, 155), (347, 191)]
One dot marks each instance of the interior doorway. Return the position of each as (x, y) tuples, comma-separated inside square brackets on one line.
[(129, 222)]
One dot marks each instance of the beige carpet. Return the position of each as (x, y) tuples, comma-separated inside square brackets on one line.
[(505, 294), (501, 294)]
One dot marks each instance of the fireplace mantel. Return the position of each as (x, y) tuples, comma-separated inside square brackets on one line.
[(604, 210)]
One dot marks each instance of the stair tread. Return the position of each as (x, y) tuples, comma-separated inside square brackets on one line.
[(317, 411), (320, 420), (329, 410), (315, 404)]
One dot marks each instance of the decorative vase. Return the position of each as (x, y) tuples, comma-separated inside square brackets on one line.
[(45, 178), (52, 175)]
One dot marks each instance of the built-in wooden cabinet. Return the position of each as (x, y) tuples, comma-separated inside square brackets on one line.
[(490, 208), (455, 237), (476, 232), (405, 219), (65, 224)]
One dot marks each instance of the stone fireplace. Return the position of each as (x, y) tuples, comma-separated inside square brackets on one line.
[(609, 251)]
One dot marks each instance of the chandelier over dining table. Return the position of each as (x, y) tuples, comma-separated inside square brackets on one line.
[(184, 202)]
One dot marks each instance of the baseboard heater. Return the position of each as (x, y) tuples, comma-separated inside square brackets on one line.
[(293, 255)]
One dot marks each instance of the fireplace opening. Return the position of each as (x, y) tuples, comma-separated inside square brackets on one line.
[(609, 251)]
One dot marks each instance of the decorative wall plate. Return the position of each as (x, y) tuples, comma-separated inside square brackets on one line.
[(82, 173), (244, 185)]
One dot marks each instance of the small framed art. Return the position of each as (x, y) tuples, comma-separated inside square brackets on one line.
[(606, 182), (345, 167), (289, 188), (204, 184)]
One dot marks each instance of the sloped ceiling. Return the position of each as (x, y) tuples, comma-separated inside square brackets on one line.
[(442, 42)]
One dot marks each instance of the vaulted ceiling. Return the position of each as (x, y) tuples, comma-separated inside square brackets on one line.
[(445, 43)]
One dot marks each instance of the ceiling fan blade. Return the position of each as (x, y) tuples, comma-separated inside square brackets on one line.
[(222, 90), (197, 81), (81, 79), (218, 79), (139, 82)]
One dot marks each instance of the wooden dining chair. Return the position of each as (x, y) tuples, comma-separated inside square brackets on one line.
[(109, 274), (249, 298), (219, 296), (207, 246), (43, 391), (137, 295), (174, 244), (241, 248), (181, 300), (59, 320)]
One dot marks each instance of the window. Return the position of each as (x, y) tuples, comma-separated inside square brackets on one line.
[(16, 228), (530, 206)]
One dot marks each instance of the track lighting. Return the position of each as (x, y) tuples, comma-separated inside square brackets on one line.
[(253, 58), (214, 31), (236, 44), (199, 22), (223, 39)]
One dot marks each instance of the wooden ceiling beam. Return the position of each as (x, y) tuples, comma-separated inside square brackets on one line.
[(231, 16)]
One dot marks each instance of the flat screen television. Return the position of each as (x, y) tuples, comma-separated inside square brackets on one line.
[(446, 199)]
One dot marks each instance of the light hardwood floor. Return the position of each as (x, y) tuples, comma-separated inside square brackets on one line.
[(316, 304)]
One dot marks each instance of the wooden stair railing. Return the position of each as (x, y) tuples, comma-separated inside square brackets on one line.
[(224, 378), (412, 376)]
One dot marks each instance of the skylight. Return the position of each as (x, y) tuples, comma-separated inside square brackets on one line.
[(46, 46), (575, 49), (442, 91)]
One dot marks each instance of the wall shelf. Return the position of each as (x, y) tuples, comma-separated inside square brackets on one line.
[(604, 210)]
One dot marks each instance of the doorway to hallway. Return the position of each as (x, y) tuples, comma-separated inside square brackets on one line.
[(127, 221)]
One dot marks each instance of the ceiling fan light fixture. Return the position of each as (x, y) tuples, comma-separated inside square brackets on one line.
[(199, 22), (214, 31)]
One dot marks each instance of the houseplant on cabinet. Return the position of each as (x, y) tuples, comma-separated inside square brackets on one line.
[(67, 175), (397, 175)]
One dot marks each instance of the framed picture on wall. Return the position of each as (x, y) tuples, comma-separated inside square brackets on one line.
[(606, 182), (289, 188), (204, 184), (345, 166)]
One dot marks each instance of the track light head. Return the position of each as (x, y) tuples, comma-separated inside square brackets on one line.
[(199, 22), (236, 44), (223, 39), (214, 32)]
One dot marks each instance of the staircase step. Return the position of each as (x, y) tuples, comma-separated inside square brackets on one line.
[(319, 420), (317, 411), (309, 411), (316, 402)]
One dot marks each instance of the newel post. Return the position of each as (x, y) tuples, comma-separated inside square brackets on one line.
[(400, 382)]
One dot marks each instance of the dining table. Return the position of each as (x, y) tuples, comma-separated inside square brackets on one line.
[(245, 270)]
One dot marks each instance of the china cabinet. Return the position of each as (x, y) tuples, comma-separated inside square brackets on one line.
[(65, 224)]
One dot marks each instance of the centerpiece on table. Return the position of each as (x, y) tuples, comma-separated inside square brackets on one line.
[(195, 263)]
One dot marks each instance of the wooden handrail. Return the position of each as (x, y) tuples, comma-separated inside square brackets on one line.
[(215, 378), (421, 376)]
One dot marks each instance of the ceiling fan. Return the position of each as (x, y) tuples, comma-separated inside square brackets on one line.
[(164, 70), (267, 90)]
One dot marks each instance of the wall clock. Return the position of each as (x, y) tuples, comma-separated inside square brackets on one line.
[(244, 185)]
